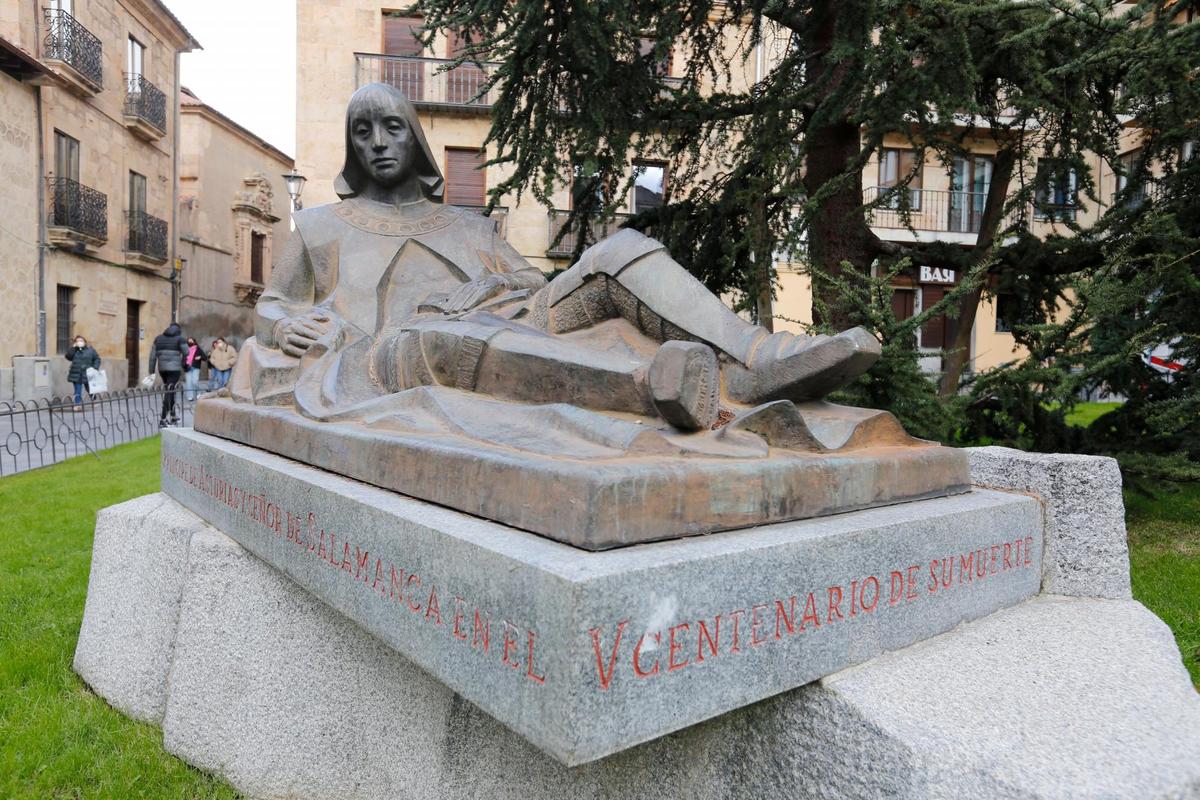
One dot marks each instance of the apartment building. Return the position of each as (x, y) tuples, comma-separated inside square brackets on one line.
[(90, 104), (233, 215), (342, 48)]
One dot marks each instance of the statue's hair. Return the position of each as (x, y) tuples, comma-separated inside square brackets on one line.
[(354, 177)]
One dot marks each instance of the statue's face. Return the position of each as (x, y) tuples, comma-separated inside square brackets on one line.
[(384, 144)]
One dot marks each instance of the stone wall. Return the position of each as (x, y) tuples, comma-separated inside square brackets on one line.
[(216, 160), (19, 214)]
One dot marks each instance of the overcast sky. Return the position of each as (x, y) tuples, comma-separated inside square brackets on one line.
[(247, 69)]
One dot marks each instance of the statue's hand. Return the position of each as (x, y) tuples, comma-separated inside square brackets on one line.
[(296, 334), (469, 295)]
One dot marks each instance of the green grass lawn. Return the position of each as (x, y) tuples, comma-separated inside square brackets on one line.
[(58, 740), (1164, 556), (1084, 414)]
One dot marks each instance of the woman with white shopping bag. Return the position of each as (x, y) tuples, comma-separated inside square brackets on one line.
[(83, 357)]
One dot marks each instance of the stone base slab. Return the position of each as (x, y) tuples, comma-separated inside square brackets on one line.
[(598, 503), (275, 692), (588, 653)]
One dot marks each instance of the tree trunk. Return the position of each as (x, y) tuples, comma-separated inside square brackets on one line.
[(838, 231), (968, 304)]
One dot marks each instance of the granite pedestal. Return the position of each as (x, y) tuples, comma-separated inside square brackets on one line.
[(497, 660)]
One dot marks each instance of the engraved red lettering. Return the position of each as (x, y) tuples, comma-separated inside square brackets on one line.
[(637, 652), (702, 637), (834, 603), (459, 617), (897, 587), (736, 625), (1028, 550), (756, 624), (529, 671), (673, 647), (781, 615), (810, 612), (862, 594), (1007, 557), (361, 558), (407, 585), (966, 566), (432, 606), (605, 678), (481, 631), (911, 592), (510, 643)]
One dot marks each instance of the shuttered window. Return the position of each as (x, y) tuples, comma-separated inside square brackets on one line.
[(466, 182), (398, 35), (938, 332), (902, 303)]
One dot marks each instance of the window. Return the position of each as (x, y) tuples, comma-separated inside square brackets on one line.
[(587, 189), (969, 184), (1188, 151), (1056, 198), (1127, 182), (649, 185), (399, 39), (466, 179), (894, 167), (66, 156), (137, 193), (662, 66), (1006, 312), (258, 243), (67, 6), (66, 318), (400, 34), (135, 64), (939, 330)]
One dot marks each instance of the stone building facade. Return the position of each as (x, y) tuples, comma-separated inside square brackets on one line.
[(98, 127), (233, 216)]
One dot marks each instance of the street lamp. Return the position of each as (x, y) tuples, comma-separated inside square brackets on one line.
[(295, 185)]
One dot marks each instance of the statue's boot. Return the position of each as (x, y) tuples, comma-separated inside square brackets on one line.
[(685, 383), (783, 366)]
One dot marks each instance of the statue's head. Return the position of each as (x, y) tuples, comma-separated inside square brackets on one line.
[(385, 144)]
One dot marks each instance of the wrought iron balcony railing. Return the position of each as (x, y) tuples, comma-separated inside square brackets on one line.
[(147, 235), (145, 101), (428, 81), (931, 210), (71, 43), (595, 230), (78, 208)]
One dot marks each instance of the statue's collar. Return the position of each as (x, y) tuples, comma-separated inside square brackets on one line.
[(409, 219)]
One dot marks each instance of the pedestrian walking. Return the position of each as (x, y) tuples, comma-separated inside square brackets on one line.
[(167, 354), (194, 356), (82, 357), (221, 359)]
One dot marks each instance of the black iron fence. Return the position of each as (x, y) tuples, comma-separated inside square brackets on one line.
[(71, 43), (145, 101), (78, 208), (147, 235), (39, 433)]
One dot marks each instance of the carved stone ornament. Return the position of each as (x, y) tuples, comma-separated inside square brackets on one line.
[(247, 293), (256, 198)]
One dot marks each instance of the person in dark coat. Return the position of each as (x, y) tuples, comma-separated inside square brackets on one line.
[(167, 354), (82, 356)]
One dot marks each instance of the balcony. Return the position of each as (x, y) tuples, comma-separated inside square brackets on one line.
[(499, 215), (954, 215), (147, 242), (145, 108), (429, 82), (78, 214), (73, 52), (595, 230)]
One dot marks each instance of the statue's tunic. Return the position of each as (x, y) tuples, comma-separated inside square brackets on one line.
[(370, 267)]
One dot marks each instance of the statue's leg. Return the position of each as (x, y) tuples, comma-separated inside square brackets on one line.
[(516, 363), (632, 276)]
